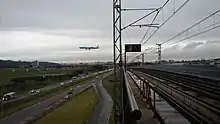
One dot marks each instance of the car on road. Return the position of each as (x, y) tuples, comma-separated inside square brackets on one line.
[(70, 93), (34, 91), (67, 97), (74, 78), (8, 96), (62, 84)]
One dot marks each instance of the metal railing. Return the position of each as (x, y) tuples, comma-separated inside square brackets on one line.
[(132, 110), (199, 111)]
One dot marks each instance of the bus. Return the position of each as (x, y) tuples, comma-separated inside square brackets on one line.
[(9, 96)]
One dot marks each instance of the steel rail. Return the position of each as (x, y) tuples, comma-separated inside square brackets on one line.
[(195, 106), (190, 83)]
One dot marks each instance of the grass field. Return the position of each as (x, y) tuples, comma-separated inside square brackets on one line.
[(109, 86), (75, 111), (10, 72), (26, 85)]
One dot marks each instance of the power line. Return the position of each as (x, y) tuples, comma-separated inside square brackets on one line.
[(140, 19), (149, 27), (166, 21), (192, 26), (175, 11), (154, 20), (202, 32), (126, 33), (151, 48)]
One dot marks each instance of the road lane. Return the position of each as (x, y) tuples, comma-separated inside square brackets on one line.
[(27, 94), (49, 87), (35, 110), (103, 110)]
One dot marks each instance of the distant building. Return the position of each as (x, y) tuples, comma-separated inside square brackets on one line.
[(35, 64), (215, 62)]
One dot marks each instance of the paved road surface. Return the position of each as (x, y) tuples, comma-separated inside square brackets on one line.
[(49, 87), (103, 110), (27, 94), (32, 111)]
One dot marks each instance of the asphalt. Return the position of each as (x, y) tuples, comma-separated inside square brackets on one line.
[(27, 94), (49, 87), (29, 113), (103, 110)]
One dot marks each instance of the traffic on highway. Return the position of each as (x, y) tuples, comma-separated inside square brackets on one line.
[(31, 112)]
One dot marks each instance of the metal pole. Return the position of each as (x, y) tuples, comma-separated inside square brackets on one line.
[(154, 104), (2, 111), (125, 61), (2, 85), (159, 53), (114, 49), (118, 102), (114, 64), (121, 66)]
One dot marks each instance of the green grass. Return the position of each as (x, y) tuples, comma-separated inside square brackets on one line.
[(17, 105), (7, 85), (109, 86), (75, 111), (8, 72)]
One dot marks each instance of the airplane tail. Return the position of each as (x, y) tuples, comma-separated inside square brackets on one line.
[(98, 46)]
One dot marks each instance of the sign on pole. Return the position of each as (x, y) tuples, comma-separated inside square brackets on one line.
[(132, 47)]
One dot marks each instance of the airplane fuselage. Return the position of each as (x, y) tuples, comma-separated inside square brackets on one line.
[(89, 48)]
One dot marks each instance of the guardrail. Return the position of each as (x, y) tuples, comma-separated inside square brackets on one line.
[(135, 111)]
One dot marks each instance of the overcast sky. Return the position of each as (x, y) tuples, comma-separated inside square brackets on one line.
[(53, 30)]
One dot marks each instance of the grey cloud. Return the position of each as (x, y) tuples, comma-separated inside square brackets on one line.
[(172, 48), (92, 21), (213, 42), (192, 45)]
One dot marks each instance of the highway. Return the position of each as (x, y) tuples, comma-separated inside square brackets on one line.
[(29, 113), (27, 94), (49, 87), (103, 110)]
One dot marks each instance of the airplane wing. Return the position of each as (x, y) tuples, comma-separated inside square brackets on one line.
[(89, 48)]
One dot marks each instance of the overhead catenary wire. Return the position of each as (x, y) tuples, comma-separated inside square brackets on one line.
[(186, 30), (194, 35), (145, 34), (150, 48), (126, 33), (176, 11), (154, 20), (140, 19)]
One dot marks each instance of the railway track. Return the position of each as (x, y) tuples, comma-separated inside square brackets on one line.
[(189, 94), (205, 87)]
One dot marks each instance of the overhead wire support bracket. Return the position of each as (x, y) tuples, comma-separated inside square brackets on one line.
[(146, 25), (134, 9), (176, 11), (140, 19)]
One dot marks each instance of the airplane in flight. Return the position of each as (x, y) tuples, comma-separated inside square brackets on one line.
[(89, 48)]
